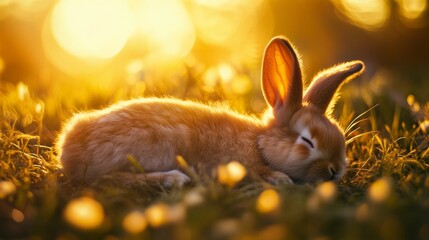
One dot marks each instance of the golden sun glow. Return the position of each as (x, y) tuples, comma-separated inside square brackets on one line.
[(166, 27), (81, 37), (100, 28), (91, 28)]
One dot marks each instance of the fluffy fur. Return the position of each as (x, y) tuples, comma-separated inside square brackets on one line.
[(299, 143)]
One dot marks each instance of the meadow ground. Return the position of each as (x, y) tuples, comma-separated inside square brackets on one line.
[(384, 195)]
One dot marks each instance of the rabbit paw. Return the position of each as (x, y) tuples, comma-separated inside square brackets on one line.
[(167, 179), (276, 177), (174, 178)]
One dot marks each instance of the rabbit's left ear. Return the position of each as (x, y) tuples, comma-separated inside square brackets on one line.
[(322, 90), (281, 79)]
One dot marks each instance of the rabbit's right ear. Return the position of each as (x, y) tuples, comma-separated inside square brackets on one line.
[(282, 79)]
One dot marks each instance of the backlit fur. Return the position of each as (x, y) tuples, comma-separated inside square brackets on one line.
[(154, 131), (298, 142)]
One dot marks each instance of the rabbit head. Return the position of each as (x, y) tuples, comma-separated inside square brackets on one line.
[(302, 140)]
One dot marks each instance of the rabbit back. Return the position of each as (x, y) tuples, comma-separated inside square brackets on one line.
[(154, 131)]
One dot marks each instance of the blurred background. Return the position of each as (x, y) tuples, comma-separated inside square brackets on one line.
[(81, 54)]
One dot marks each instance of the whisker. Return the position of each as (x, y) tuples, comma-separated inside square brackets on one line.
[(353, 122), (358, 136)]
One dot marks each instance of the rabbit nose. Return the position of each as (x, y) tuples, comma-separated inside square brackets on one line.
[(332, 173)]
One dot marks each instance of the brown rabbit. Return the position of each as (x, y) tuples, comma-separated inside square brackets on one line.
[(298, 144)]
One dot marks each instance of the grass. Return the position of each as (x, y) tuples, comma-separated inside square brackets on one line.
[(384, 195)]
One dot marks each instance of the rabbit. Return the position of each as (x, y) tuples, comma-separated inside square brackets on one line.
[(299, 143)]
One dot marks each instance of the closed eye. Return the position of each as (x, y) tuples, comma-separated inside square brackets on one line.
[(308, 141)]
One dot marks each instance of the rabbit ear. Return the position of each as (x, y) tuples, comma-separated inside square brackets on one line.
[(322, 90), (281, 78)]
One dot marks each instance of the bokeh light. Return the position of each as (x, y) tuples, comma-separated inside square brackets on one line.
[(268, 201), (412, 9), (368, 14), (6, 188), (194, 197), (219, 22), (327, 191), (84, 213), (17, 215), (241, 84), (38, 108), (380, 190), (22, 90), (134, 222), (157, 214), (226, 72), (414, 105), (176, 212), (231, 173), (92, 28), (362, 212)]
